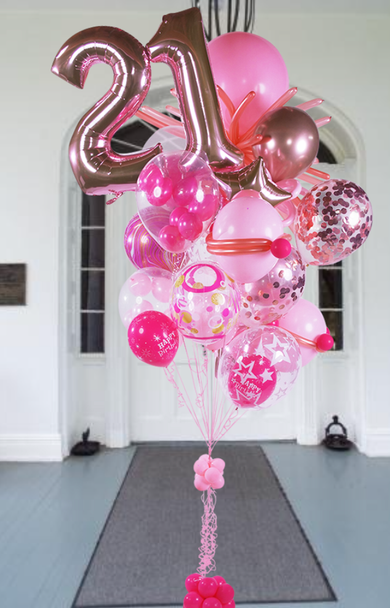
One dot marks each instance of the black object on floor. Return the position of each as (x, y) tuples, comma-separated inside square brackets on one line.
[(150, 541), (85, 447), (336, 436)]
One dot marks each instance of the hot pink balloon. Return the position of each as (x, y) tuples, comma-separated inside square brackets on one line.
[(307, 321), (153, 338), (248, 216), (241, 63)]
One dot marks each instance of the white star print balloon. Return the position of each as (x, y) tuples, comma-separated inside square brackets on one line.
[(259, 366)]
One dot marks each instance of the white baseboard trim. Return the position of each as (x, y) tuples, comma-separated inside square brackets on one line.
[(375, 442), (31, 447)]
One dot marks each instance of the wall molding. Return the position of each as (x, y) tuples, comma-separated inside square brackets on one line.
[(375, 442), (31, 447)]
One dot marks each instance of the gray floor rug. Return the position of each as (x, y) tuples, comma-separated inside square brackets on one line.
[(149, 544)]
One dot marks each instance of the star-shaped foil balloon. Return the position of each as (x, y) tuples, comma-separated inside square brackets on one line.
[(254, 177)]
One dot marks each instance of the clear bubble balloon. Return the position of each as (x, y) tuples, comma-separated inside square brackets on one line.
[(205, 302), (177, 197), (146, 289), (259, 366)]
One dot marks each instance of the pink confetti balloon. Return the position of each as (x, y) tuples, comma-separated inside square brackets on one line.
[(333, 220), (259, 366), (143, 251), (145, 289), (205, 302), (273, 295), (153, 338), (241, 63), (175, 181)]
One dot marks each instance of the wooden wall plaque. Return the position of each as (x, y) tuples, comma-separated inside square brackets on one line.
[(13, 284)]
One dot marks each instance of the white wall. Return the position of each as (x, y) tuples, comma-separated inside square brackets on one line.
[(343, 59)]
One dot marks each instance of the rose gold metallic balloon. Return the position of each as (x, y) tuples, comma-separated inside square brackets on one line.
[(97, 168), (180, 43), (291, 145)]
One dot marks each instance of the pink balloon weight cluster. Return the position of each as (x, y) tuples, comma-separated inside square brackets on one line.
[(241, 63), (143, 251), (273, 295), (153, 338), (177, 197), (205, 302), (333, 220), (259, 366), (209, 473), (208, 592), (306, 321), (146, 289)]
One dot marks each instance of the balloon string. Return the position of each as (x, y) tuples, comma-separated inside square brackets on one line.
[(208, 533)]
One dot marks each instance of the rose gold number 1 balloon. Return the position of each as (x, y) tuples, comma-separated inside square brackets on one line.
[(180, 43), (97, 168)]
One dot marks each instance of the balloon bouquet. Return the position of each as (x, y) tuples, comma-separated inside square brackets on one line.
[(216, 270)]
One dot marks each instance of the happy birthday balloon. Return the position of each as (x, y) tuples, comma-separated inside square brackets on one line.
[(143, 251), (333, 220), (273, 295), (153, 338), (259, 366), (205, 302)]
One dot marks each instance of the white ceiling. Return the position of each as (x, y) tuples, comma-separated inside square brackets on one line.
[(169, 6)]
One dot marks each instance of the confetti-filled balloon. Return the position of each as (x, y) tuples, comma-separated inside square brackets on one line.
[(153, 338), (146, 289), (205, 302), (273, 295), (259, 366), (143, 251), (333, 220), (177, 197)]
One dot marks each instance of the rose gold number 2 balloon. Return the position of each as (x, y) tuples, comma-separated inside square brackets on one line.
[(180, 43), (97, 168)]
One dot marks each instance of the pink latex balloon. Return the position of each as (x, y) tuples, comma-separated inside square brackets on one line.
[(307, 321), (333, 220), (201, 466), (219, 464), (193, 600), (177, 197), (207, 587), (153, 338), (200, 483), (259, 366), (273, 295), (241, 63), (212, 602), (192, 581), (143, 251), (225, 593), (248, 217), (291, 142), (205, 302), (212, 475), (220, 580)]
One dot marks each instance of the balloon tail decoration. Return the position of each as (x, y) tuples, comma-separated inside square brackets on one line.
[(208, 533)]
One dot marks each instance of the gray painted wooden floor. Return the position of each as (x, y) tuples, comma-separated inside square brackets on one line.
[(51, 516)]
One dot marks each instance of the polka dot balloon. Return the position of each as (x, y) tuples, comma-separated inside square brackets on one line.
[(205, 302)]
